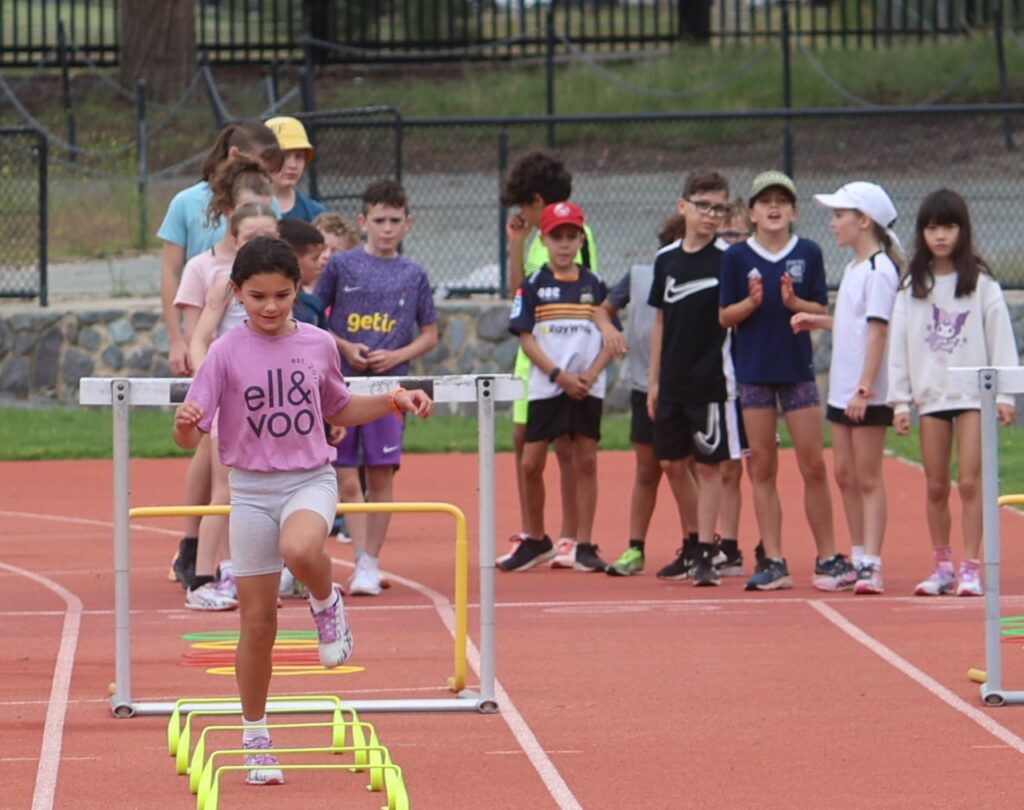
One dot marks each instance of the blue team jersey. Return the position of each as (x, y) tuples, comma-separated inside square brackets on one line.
[(767, 351)]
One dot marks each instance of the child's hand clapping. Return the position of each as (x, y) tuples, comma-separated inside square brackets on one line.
[(788, 296), (755, 288)]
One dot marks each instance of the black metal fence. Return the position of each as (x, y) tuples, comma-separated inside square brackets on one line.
[(628, 172), (23, 166), (344, 31)]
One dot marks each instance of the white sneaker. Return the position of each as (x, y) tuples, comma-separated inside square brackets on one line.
[(565, 554), (209, 597), (941, 582), (261, 765), (366, 579)]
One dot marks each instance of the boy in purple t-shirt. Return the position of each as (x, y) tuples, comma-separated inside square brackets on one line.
[(377, 299)]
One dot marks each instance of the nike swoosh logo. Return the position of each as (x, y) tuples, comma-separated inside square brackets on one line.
[(677, 292), (349, 289), (390, 449), (711, 437)]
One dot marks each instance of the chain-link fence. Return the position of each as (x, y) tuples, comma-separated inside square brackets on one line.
[(23, 214), (628, 173)]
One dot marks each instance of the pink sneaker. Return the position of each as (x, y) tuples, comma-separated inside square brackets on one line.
[(970, 582), (335, 639), (565, 554)]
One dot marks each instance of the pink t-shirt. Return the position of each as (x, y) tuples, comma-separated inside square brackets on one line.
[(198, 276), (273, 394)]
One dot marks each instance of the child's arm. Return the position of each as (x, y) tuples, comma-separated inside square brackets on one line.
[(900, 395), (741, 310), (654, 369), (186, 432), (806, 321), (795, 303), (878, 334), (206, 327), (573, 384), (611, 338), (517, 230), (360, 410), (380, 360), (171, 262), (189, 319)]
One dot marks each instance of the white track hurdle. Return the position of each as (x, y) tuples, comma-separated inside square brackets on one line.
[(990, 382), (124, 393)]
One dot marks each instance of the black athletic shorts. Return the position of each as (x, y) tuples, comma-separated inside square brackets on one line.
[(641, 428), (547, 419), (874, 416), (709, 432)]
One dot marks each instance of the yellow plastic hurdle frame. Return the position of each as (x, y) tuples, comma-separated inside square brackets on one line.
[(457, 682), (121, 394)]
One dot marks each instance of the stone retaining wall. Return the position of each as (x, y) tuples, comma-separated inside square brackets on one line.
[(44, 352)]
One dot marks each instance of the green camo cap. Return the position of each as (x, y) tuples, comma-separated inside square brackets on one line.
[(767, 180)]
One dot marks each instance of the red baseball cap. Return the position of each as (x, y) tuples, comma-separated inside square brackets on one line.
[(560, 213)]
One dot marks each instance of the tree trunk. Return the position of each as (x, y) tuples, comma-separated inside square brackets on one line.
[(158, 44)]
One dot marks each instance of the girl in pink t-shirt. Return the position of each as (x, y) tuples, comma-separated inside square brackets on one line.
[(241, 192), (274, 381)]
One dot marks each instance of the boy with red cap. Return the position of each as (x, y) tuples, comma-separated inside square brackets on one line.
[(552, 314)]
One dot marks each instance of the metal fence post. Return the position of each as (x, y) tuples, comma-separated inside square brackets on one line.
[(1004, 87), (549, 72), (787, 93), (65, 86), (42, 155), (502, 216), (143, 166)]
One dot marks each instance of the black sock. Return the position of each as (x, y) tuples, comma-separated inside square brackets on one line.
[(637, 544), (198, 581), (703, 551), (690, 546), (730, 547)]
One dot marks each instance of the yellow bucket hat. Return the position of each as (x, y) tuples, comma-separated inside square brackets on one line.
[(290, 134)]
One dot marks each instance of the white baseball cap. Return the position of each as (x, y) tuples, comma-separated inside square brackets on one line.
[(868, 198)]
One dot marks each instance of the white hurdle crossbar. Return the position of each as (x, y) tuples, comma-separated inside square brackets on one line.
[(990, 382), (123, 393)]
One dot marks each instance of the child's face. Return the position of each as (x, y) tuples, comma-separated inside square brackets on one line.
[(384, 226), (847, 226), (735, 229), (773, 212), (703, 211), (563, 243), (941, 239), (291, 169), (336, 243), (251, 227), (311, 264), (268, 299)]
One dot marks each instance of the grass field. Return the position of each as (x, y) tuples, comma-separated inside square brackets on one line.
[(77, 433)]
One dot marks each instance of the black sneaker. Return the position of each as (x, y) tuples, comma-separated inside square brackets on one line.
[(728, 561), (185, 562), (679, 568), (528, 554), (703, 572), (587, 559)]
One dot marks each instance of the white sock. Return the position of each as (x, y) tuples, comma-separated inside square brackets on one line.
[(254, 729), (857, 552), (872, 559), (323, 604)]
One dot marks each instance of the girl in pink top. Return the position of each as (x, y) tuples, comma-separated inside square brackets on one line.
[(274, 382)]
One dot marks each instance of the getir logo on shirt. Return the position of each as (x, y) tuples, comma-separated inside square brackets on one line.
[(377, 322), (278, 408)]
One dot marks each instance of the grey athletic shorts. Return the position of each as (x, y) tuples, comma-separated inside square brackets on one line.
[(260, 504)]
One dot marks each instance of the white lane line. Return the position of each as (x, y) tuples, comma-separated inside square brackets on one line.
[(919, 677), (524, 735), (53, 730)]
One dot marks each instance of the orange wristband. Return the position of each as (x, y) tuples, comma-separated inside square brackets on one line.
[(394, 405)]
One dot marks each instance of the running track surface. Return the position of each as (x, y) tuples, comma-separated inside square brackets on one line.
[(616, 693)]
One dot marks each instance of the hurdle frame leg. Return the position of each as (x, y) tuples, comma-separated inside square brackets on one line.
[(121, 701)]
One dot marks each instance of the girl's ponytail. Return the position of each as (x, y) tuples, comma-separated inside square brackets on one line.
[(890, 247)]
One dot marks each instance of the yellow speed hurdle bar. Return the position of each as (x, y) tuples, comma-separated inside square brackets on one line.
[(124, 393), (457, 682), (990, 383)]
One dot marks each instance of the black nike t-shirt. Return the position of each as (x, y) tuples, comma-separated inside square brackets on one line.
[(695, 359)]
